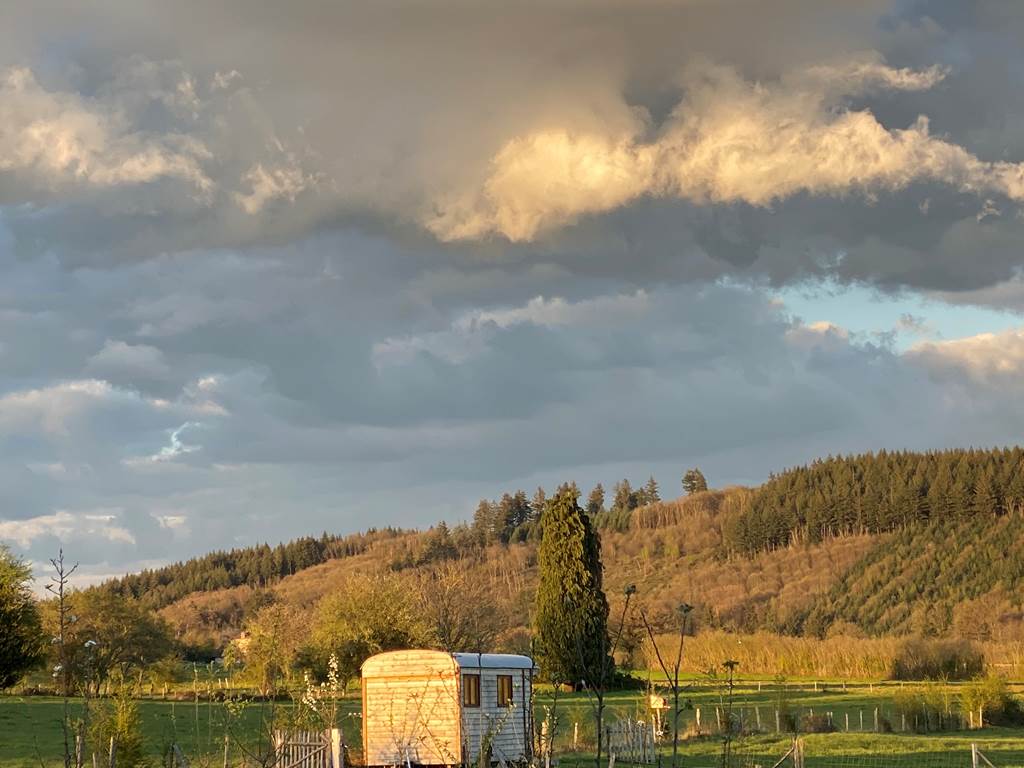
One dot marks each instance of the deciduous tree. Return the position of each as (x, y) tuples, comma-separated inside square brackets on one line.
[(109, 633), (21, 634), (369, 614)]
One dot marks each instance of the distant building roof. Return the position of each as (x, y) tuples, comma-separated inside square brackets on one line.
[(492, 661)]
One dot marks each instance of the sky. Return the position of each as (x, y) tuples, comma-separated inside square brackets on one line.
[(268, 270)]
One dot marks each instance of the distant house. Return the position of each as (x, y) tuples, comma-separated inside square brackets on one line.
[(436, 708)]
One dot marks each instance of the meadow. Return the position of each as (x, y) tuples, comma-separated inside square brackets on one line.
[(30, 733)]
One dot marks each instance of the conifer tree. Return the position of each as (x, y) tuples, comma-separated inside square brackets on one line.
[(595, 501), (571, 624), (986, 496), (651, 494), (624, 499), (694, 482), (537, 504)]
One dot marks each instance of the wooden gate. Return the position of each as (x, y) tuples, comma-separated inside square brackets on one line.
[(631, 741), (308, 749)]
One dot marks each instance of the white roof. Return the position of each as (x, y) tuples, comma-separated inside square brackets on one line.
[(492, 661)]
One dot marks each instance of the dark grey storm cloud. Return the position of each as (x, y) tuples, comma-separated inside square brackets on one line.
[(266, 270)]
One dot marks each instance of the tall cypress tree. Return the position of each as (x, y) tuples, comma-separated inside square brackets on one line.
[(571, 616)]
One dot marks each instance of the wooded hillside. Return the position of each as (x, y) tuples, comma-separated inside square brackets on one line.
[(878, 544)]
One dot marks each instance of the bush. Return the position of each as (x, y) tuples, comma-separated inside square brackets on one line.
[(925, 708), (820, 723), (926, 659), (119, 720), (991, 695)]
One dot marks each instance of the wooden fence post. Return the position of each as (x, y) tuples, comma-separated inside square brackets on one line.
[(337, 753)]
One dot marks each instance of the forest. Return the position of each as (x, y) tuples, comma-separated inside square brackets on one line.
[(882, 544)]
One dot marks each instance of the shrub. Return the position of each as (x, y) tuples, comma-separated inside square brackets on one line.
[(820, 723), (119, 720), (991, 695), (927, 659), (924, 707)]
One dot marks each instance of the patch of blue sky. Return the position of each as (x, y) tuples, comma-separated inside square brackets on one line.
[(903, 319)]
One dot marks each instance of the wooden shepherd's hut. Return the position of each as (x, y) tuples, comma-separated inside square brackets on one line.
[(436, 708)]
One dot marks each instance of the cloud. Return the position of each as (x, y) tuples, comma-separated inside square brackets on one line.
[(868, 72), (65, 525), (1006, 295), (729, 140), (55, 407), (284, 182), (394, 258), (991, 358), (915, 326), (130, 360), (59, 140)]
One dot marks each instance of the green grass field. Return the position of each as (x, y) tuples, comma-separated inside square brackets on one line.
[(30, 733)]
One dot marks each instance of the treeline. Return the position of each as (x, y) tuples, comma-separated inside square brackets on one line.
[(512, 518), (258, 566), (876, 493), (515, 519)]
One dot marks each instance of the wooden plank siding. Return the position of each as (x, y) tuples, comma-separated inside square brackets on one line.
[(412, 710)]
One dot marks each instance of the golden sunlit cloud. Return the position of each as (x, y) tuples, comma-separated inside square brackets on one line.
[(729, 140)]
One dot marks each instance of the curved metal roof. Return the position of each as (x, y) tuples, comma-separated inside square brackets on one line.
[(492, 661)]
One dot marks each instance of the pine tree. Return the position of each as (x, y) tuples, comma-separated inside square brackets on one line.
[(537, 504), (986, 499), (694, 482), (624, 499), (571, 616), (483, 522), (595, 501), (651, 491)]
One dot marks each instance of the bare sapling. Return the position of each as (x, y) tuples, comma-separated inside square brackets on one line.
[(596, 684), (672, 675), (62, 670)]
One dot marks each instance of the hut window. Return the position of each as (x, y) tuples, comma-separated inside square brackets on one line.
[(504, 690), (471, 690)]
